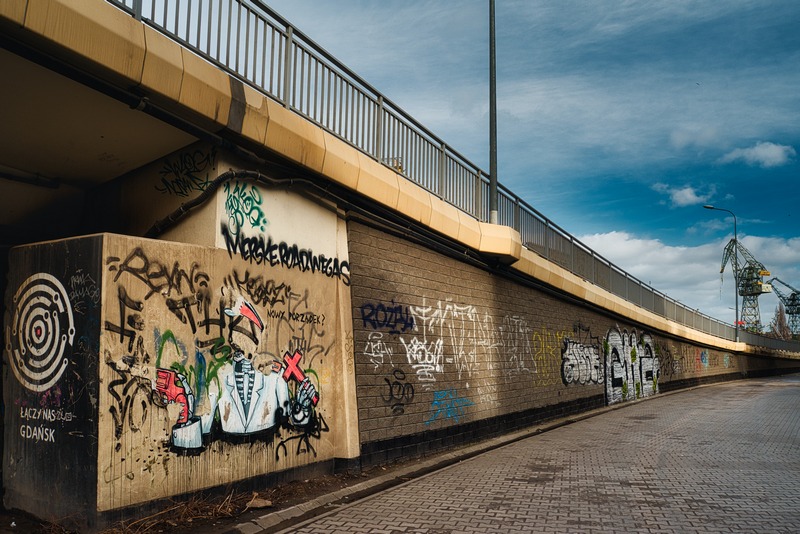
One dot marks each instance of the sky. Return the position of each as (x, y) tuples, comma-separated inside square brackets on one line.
[(617, 120)]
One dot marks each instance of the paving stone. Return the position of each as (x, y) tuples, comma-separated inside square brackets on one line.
[(722, 458)]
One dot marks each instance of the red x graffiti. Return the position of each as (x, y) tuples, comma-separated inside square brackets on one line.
[(293, 371)]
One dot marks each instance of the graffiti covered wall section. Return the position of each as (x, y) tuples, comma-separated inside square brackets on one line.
[(214, 361), (50, 391), (624, 361), (439, 343), (213, 369), (222, 364)]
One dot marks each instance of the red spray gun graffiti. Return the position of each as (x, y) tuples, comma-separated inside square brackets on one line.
[(293, 371), (171, 389)]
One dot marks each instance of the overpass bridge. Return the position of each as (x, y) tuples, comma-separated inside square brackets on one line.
[(234, 260)]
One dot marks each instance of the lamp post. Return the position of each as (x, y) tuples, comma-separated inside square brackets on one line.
[(492, 119), (735, 267)]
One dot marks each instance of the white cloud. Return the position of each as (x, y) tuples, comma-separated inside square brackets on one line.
[(684, 196), (691, 275), (694, 136), (762, 154), (710, 226)]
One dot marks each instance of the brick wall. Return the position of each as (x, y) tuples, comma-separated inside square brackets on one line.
[(448, 352)]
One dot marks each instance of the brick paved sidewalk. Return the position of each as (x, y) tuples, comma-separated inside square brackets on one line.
[(722, 458)]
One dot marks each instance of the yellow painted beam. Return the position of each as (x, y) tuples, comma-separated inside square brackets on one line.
[(13, 12), (206, 89), (377, 181), (295, 137), (163, 65), (501, 241), (469, 230), (341, 161), (256, 115), (444, 218), (97, 33), (414, 201)]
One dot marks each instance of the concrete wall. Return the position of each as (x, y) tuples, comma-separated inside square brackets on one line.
[(143, 369), (183, 328), (50, 388), (447, 352)]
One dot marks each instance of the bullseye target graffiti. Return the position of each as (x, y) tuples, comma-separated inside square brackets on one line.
[(40, 332)]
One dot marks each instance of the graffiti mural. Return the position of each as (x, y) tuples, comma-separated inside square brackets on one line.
[(398, 393), (425, 357), (392, 317), (84, 291), (221, 394), (443, 338), (547, 347), (259, 289), (213, 365), (440, 342), (626, 362), (447, 405), (445, 343), (516, 340), (260, 251), (132, 400), (243, 203), (377, 350), (187, 172), (50, 389), (41, 332), (580, 358), (242, 400), (471, 336), (632, 368), (299, 326)]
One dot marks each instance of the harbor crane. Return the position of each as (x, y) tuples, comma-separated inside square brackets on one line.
[(749, 276), (791, 302)]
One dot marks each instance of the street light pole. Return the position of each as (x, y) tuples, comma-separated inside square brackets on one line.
[(735, 266), (492, 120)]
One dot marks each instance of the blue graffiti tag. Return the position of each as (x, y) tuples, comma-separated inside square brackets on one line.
[(448, 405)]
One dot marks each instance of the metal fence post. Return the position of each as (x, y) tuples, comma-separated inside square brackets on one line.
[(442, 168), (571, 254), (547, 238), (137, 9), (287, 67), (627, 288), (479, 195), (379, 130)]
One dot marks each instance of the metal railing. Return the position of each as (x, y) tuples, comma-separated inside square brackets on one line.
[(252, 42)]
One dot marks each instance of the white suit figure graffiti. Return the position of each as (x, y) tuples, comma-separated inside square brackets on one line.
[(244, 400)]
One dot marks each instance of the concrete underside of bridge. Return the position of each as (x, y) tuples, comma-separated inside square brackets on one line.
[(207, 291)]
